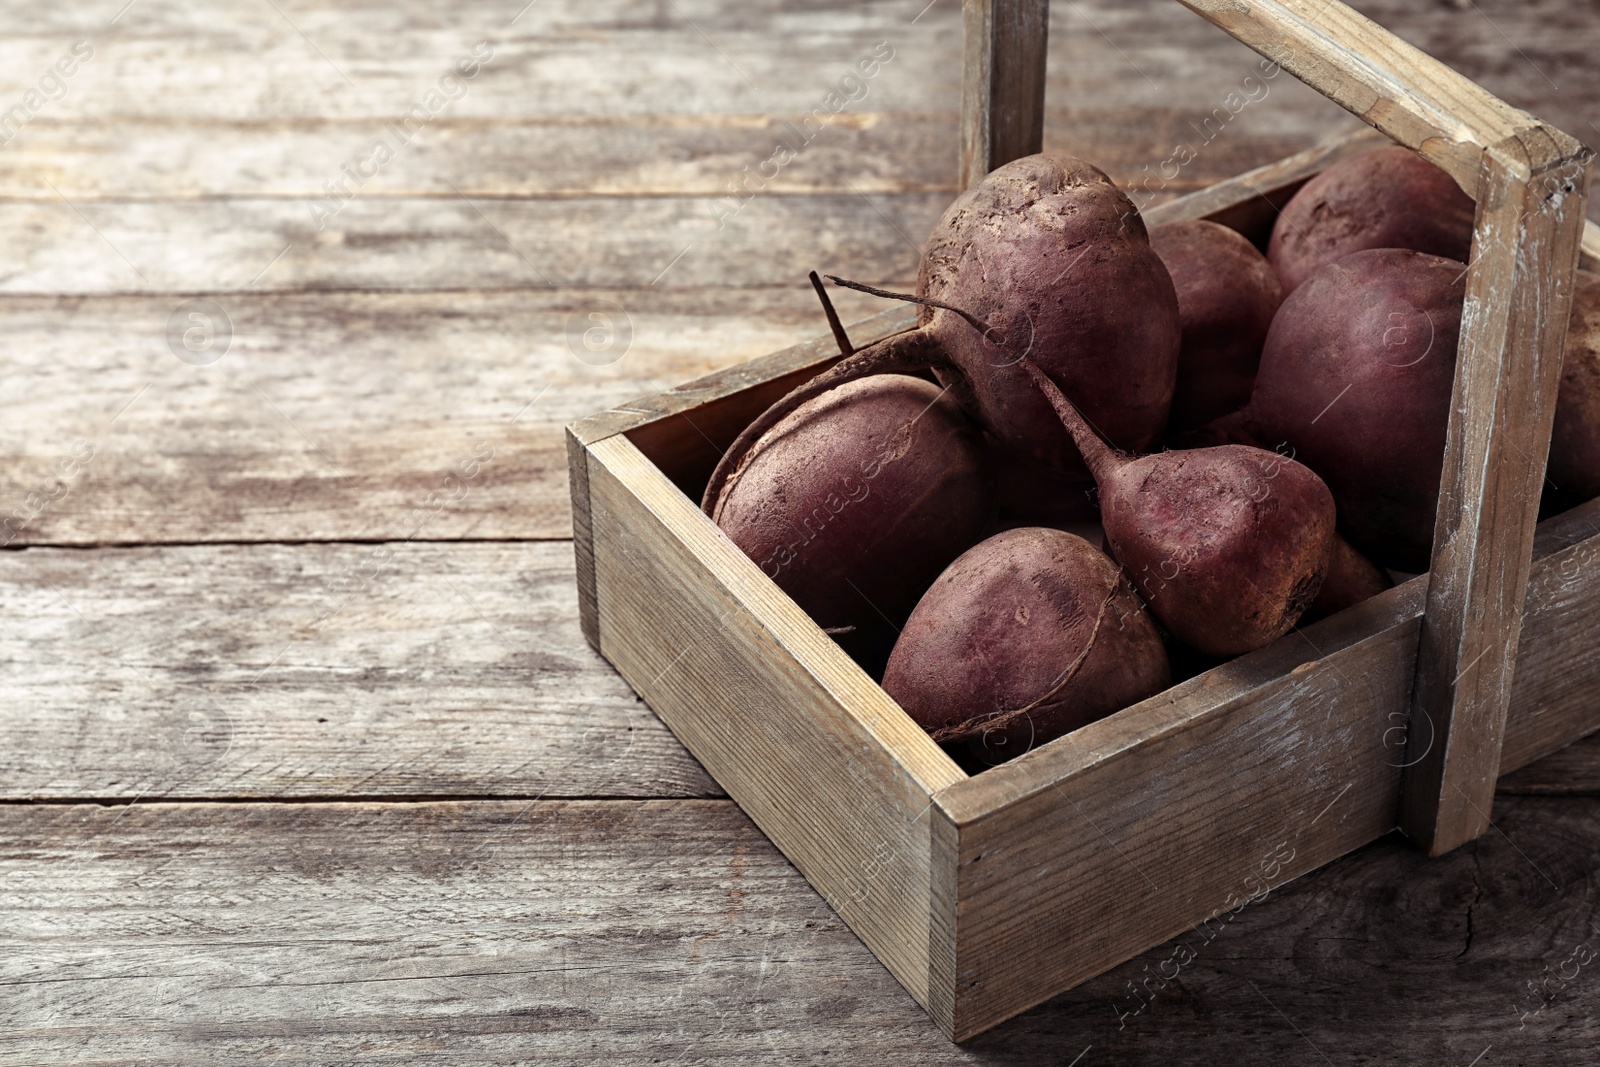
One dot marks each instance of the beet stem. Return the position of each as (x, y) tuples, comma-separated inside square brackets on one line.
[(1102, 459), (972, 320), (843, 339)]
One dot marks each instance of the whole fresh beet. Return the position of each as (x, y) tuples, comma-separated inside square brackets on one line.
[(1386, 198), (1350, 579), (1027, 636), (1356, 379), (1053, 256), (1227, 545), (1047, 260), (856, 501), (1574, 467), (1227, 295)]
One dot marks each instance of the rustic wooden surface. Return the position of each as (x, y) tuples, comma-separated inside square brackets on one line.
[(267, 799)]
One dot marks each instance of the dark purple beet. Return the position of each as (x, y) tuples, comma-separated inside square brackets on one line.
[(1027, 636), (1227, 545), (1575, 447), (1355, 383), (1386, 198), (1227, 295), (857, 499)]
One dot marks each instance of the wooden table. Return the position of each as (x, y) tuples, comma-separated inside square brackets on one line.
[(304, 758)]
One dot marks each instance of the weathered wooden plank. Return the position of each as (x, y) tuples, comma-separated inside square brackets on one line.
[(1498, 938), (422, 693), (813, 750), (316, 670), (1004, 53), (661, 932), (1508, 372), (332, 416), (575, 60), (568, 58), (1573, 770), (1553, 697), (874, 152), (231, 246)]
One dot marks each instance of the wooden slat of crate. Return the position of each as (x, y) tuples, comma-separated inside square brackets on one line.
[(817, 754)]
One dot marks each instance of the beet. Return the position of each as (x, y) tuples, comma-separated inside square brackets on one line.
[(1046, 259), (856, 501), (1574, 468), (1350, 579), (1027, 636), (1052, 255), (1355, 382), (1227, 545), (1227, 295), (1386, 198)]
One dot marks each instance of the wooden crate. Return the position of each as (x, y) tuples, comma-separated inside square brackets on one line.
[(987, 894)]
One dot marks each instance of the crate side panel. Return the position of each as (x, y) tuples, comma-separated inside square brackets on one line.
[(828, 767), (1555, 694), (582, 536), (1137, 848)]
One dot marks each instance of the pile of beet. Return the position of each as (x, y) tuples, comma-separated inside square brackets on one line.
[(1259, 437)]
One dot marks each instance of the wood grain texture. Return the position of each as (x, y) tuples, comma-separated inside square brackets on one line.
[(877, 151), (1005, 48), (673, 932), (456, 243), (1553, 698), (613, 932), (268, 671), (813, 750), (409, 674), (332, 417), (582, 539), (1570, 771), (1508, 372)]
